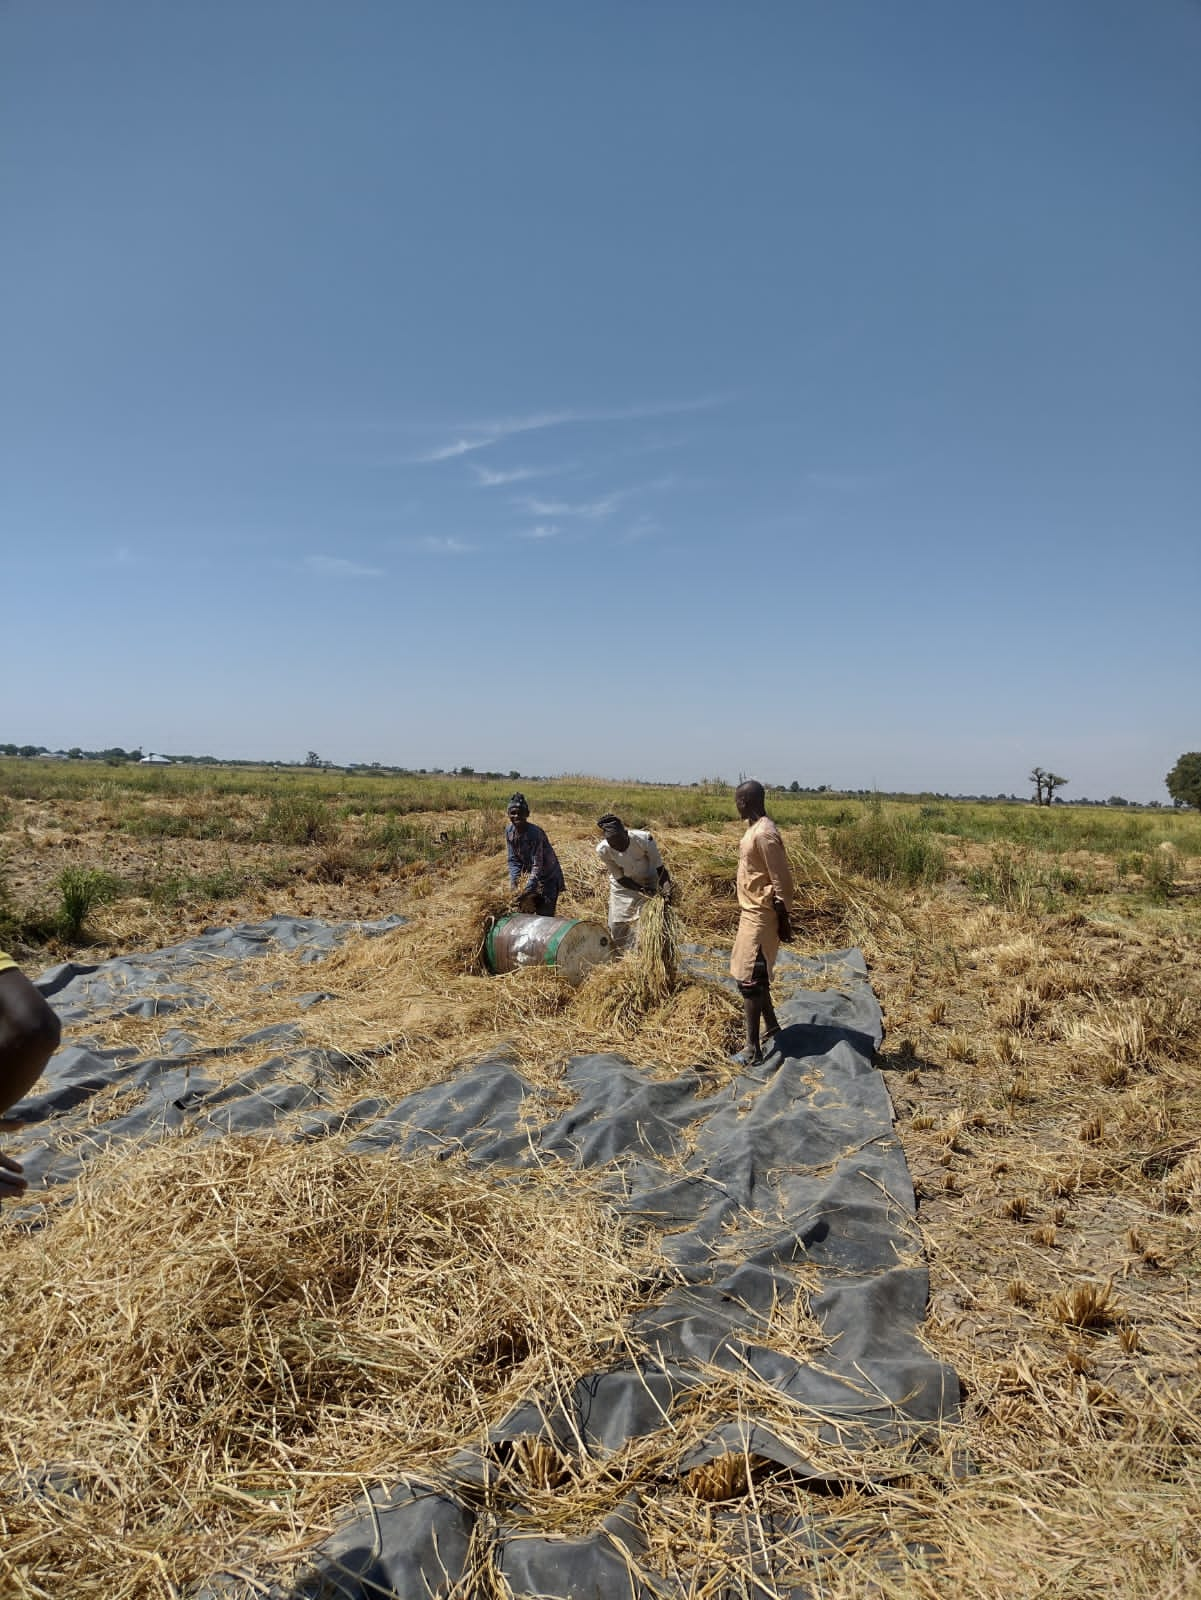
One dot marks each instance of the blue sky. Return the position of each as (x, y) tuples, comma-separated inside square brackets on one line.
[(664, 390)]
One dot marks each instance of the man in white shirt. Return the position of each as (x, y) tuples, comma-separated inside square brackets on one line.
[(636, 872)]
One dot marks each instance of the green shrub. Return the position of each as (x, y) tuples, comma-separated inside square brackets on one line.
[(191, 888), (1159, 875), (397, 842), (80, 891), (1020, 884), (296, 819), (894, 849), (212, 824)]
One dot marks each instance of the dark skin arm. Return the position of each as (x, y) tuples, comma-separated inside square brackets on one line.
[(640, 888), (29, 1035)]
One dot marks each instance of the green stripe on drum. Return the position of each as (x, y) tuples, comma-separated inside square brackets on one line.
[(556, 939), (490, 942)]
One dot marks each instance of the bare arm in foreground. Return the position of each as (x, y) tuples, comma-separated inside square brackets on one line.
[(29, 1035)]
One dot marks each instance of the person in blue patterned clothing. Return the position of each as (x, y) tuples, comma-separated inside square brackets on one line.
[(531, 853)]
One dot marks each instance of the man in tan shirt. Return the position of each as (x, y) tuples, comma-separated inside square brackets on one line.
[(765, 895)]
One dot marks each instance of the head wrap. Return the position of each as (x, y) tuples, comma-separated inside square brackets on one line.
[(520, 803)]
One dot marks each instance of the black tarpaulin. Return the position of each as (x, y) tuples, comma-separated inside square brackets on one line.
[(791, 1168)]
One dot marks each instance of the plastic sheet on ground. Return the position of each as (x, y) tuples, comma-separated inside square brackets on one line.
[(793, 1167)]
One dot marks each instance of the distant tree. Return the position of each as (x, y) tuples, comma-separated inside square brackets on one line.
[(313, 760), (794, 787), (74, 753), (1184, 780), (1116, 800), (1045, 785)]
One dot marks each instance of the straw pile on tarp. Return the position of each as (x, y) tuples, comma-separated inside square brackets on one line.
[(416, 1001), (219, 1344)]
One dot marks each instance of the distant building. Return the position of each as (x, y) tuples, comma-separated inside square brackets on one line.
[(156, 761)]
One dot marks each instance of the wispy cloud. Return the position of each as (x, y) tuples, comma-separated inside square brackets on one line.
[(479, 435), (339, 567), (544, 530), (487, 479), (590, 510), (459, 447), (434, 544)]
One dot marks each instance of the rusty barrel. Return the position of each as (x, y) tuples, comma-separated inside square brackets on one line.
[(570, 945)]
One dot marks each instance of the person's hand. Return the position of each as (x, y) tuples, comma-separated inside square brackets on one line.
[(783, 921), (528, 903), (12, 1179), (667, 889)]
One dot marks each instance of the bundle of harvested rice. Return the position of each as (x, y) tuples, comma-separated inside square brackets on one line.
[(645, 1004), (656, 954)]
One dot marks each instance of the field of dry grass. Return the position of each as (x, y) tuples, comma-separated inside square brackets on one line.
[(1042, 994)]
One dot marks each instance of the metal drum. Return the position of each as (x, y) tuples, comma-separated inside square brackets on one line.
[(568, 944)]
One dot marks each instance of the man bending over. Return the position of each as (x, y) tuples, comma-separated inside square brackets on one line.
[(531, 854), (636, 872)]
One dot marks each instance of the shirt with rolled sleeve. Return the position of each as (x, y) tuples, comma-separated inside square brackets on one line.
[(641, 862)]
